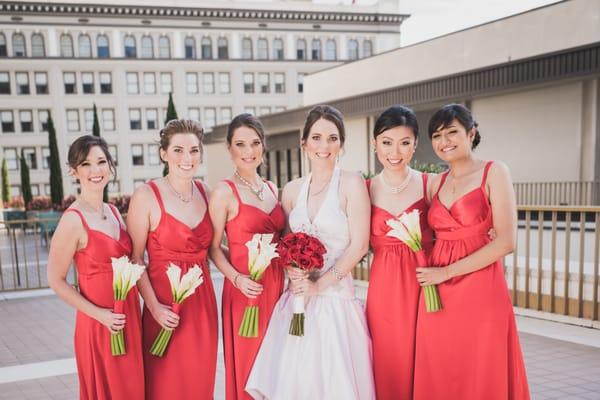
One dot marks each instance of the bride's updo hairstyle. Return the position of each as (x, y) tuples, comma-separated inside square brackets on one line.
[(445, 115), (328, 113)]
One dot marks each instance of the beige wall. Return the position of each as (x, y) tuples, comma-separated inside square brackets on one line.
[(553, 28), (355, 156), (217, 162)]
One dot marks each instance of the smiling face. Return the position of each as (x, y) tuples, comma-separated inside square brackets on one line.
[(395, 147), (183, 155), (323, 142), (94, 172), (246, 149), (452, 142)]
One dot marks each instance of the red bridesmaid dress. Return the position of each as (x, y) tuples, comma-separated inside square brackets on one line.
[(470, 349), (100, 373), (187, 369), (392, 302), (240, 352)]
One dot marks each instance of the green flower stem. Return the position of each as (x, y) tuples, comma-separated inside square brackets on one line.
[(432, 298), (297, 325), (249, 325)]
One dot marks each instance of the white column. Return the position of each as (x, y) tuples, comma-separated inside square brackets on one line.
[(177, 45), (235, 46), (343, 47), (290, 46), (52, 43), (117, 44)]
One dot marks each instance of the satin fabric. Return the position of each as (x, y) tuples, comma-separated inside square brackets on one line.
[(240, 352), (392, 302), (470, 349), (187, 369), (100, 373)]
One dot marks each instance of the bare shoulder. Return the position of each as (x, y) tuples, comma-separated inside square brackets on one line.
[(222, 192), (290, 192), (499, 168), (351, 179), (70, 222), (144, 192)]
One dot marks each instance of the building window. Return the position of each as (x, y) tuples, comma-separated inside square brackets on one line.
[(19, 48), (353, 50), (279, 82), (248, 83), (105, 82), (164, 47), (108, 120), (135, 119), (367, 48), (87, 82), (208, 82), (66, 46), (35, 190), (3, 49), (249, 110), (137, 154), (153, 156), (88, 120), (41, 83), (85, 46), (102, 46), (30, 156), (114, 154), (70, 82), (10, 155), (316, 50), (37, 45), (330, 50), (222, 49), (26, 119), (210, 118), (151, 118), (262, 49), (130, 48), (263, 82), (114, 187), (226, 114), (147, 47), (206, 48), (190, 48), (132, 83), (22, 79), (73, 120), (224, 83), (301, 49), (191, 83), (278, 49), (8, 122), (149, 83), (194, 114), (264, 111), (45, 158), (300, 83), (4, 83), (166, 85), (43, 119), (247, 49)]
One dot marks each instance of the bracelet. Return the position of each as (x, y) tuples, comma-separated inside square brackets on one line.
[(338, 275), (237, 275)]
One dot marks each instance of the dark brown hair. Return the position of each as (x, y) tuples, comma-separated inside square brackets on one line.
[(445, 115), (176, 126), (80, 148), (328, 113), (249, 121), (396, 116)]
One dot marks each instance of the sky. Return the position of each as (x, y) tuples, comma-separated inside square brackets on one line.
[(432, 18)]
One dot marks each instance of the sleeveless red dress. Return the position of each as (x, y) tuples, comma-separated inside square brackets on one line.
[(392, 302), (100, 373), (187, 369), (240, 352), (470, 349)]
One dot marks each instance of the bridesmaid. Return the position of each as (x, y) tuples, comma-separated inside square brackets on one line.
[(240, 207), (168, 217), (89, 233), (469, 350), (393, 295)]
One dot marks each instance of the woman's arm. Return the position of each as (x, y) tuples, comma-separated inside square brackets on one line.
[(220, 208), (69, 235), (138, 226), (504, 211)]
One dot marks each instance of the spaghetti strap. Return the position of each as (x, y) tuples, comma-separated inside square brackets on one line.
[(116, 214), (486, 169), (200, 187), (444, 176), (157, 194), (233, 189), (81, 217)]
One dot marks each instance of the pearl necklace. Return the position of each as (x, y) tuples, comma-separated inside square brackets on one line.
[(257, 192), (403, 185), (179, 195)]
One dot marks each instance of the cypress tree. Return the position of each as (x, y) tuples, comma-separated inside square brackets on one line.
[(5, 182), (56, 185), (96, 132), (25, 181), (171, 114)]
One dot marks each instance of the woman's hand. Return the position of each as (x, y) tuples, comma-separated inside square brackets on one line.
[(432, 275), (492, 234), (165, 317), (248, 287), (296, 274), (304, 287), (113, 321)]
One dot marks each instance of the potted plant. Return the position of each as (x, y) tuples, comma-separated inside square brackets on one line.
[(14, 210)]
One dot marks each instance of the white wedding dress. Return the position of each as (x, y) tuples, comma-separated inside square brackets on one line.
[(333, 358)]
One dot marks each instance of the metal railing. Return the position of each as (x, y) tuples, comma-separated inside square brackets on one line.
[(576, 193)]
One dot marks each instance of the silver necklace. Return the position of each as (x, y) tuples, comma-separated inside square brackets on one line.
[(179, 195), (101, 212), (257, 192), (403, 185)]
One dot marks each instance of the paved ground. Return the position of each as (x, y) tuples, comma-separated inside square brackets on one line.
[(36, 357)]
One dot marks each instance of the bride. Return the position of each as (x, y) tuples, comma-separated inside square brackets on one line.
[(333, 358)]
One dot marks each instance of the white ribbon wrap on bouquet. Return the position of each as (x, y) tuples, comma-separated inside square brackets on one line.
[(298, 305)]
